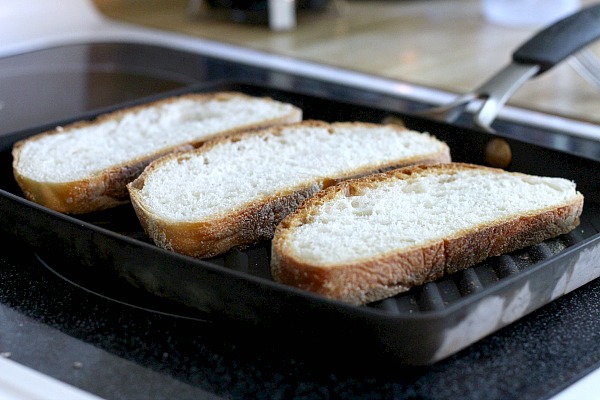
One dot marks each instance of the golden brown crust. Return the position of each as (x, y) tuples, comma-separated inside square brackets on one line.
[(255, 221), (373, 279), (202, 239), (107, 188)]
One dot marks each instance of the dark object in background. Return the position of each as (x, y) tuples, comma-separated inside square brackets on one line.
[(255, 11), (261, 5)]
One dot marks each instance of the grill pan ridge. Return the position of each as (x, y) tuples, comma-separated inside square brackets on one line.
[(419, 327)]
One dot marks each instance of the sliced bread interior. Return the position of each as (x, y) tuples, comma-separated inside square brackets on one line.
[(371, 238), (234, 191), (85, 166)]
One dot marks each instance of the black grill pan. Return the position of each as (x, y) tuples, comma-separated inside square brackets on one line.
[(108, 252)]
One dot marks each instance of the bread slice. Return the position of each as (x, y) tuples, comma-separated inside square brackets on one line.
[(85, 166), (371, 238), (233, 192)]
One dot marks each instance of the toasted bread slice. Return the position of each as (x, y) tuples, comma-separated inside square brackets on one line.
[(370, 238), (85, 166), (234, 191)]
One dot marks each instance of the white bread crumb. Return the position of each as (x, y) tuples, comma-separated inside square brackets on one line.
[(407, 213), (233, 174)]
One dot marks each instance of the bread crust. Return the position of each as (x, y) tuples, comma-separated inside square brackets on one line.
[(107, 188), (256, 221), (237, 229), (376, 278)]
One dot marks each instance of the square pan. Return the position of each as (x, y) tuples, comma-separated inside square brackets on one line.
[(419, 327)]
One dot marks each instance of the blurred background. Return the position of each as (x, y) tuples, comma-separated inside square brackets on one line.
[(452, 45)]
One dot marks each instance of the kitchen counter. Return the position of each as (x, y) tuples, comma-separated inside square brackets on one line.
[(442, 44)]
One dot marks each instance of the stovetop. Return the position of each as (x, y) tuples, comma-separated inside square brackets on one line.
[(116, 349), (119, 352)]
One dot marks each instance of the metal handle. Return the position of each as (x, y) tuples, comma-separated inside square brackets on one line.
[(558, 41), (545, 49), (540, 53)]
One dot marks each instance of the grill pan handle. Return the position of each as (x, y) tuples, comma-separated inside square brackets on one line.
[(544, 50), (558, 41)]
